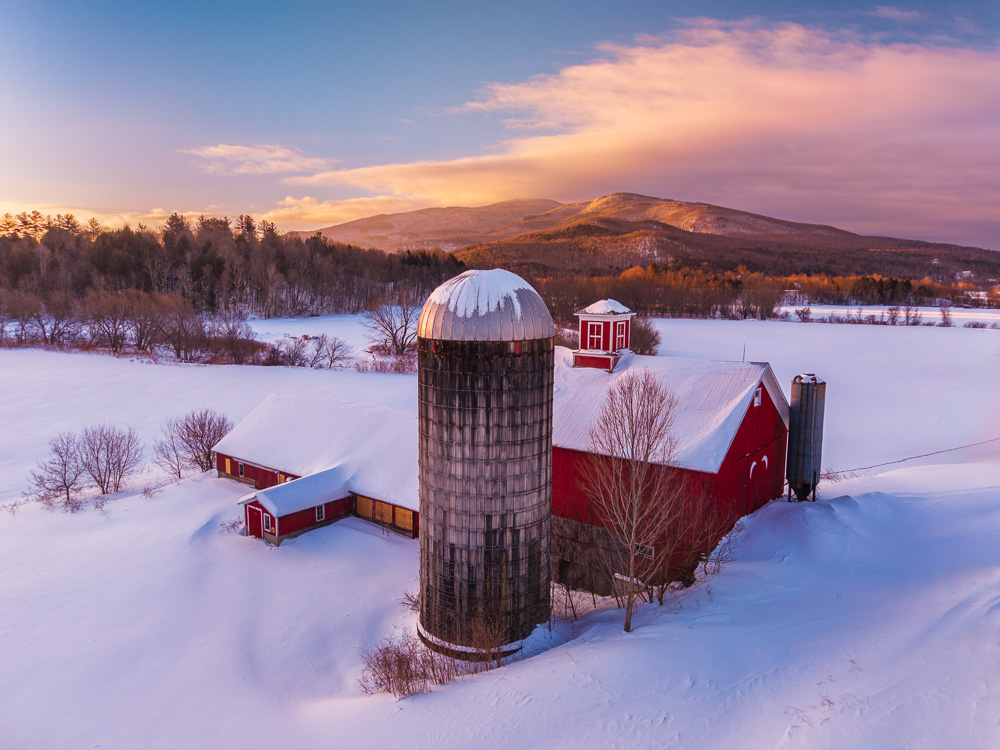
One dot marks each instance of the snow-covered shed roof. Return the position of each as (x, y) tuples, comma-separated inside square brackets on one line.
[(712, 398), (605, 307), (305, 492), (479, 305), (368, 449)]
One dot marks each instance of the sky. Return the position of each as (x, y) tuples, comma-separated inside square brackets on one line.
[(879, 119)]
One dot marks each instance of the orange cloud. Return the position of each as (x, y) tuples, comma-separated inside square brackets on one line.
[(791, 121), (310, 213)]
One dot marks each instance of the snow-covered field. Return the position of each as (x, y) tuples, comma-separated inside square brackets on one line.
[(870, 619)]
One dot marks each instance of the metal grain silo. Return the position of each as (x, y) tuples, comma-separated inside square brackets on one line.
[(805, 435), (485, 363)]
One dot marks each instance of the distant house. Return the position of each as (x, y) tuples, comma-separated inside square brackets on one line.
[(313, 461)]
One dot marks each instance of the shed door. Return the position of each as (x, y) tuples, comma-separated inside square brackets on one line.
[(254, 525)]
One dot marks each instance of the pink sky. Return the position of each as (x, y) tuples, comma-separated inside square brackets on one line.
[(795, 122)]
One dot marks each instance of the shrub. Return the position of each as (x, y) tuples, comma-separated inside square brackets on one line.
[(645, 337)]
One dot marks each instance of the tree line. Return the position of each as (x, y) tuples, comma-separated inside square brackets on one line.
[(236, 268)]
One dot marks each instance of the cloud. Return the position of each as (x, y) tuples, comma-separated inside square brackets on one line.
[(310, 213), (791, 121), (892, 13), (264, 158)]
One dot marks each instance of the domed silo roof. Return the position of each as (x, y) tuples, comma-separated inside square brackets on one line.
[(492, 305)]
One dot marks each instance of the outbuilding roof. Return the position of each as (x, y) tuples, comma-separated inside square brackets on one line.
[(479, 305), (712, 398), (605, 307), (363, 448)]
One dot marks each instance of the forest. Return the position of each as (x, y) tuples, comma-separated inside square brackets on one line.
[(62, 281)]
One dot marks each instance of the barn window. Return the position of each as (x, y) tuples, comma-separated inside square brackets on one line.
[(364, 506), (404, 519), (644, 551), (383, 512), (320, 512), (267, 521), (756, 397), (594, 339), (241, 469)]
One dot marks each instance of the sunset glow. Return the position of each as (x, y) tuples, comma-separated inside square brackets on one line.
[(876, 119)]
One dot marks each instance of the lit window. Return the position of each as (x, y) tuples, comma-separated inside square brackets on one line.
[(756, 397), (320, 512)]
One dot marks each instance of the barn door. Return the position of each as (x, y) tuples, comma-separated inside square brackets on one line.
[(254, 525)]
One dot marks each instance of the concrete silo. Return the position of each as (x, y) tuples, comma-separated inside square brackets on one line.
[(485, 363)]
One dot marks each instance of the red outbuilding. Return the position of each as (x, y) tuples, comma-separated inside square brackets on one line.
[(605, 334), (313, 461)]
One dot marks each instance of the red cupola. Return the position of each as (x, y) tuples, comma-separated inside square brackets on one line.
[(605, 334)]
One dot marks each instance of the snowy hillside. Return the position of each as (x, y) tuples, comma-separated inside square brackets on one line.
[(870, 619)]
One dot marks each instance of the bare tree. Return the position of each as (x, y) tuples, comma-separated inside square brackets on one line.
[(329, 352), (944, 308), (61, 475), (145, 316), (109, 454), (182, 329), (392, 328), (107, 316), (169, 451), (196, 434), (633, 489)]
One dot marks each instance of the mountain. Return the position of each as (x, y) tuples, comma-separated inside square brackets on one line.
[(618, 231)]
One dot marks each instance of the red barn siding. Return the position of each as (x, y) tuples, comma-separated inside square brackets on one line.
[(295, 523), (761, 433)]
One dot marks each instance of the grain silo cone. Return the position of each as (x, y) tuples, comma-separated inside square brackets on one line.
[(805, 435), (485, 360)]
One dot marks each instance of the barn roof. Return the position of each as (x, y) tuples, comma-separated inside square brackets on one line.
[(712, 398), (368, 449)]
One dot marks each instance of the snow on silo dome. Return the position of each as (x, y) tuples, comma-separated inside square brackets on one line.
[(492, 305)]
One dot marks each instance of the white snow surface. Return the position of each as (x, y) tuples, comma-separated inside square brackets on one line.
[(365, 448), (606, 307), (712, 398), (473, 293), (866, 620)]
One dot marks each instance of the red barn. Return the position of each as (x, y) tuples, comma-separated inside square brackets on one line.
[(313, 461), (730, 427)]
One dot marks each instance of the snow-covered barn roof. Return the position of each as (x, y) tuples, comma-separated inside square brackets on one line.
[(712, 399), (368, 449)]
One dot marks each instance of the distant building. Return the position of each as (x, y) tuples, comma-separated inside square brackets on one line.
[(605, 334), (313, 461)]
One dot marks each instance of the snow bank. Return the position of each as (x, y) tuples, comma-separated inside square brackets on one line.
[(866, 620)]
